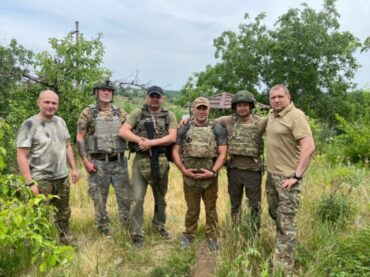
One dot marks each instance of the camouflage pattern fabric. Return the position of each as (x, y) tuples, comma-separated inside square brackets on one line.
[(115, 173), (141, 177), (60, 188), (283, 206)]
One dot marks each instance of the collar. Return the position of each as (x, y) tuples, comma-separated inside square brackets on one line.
[(285, 111)]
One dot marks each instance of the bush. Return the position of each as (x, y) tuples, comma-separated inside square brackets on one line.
[(335, 209), (26, 234)]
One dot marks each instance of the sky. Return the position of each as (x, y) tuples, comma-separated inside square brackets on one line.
[(163, 41)]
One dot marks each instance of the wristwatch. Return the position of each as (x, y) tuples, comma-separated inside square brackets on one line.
[(297, 178), (215, 174)]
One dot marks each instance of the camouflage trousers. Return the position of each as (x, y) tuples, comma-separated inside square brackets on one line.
[(60, 188), (250, 182), (141, 178), (115, 173), (283, 207), (193, 197)]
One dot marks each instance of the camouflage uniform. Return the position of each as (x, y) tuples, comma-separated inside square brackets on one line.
[(284, 130), (141, 168), (245, 165), (48, 163), (198, 149), (283, 207), (106, 151)]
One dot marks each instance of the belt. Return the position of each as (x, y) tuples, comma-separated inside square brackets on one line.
[(107, 157)]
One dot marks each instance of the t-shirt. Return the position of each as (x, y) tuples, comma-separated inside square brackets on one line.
[(219, 131), (135, 117), (47, 141), (283, 131)]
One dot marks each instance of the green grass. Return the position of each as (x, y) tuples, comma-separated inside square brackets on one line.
[(240, 255)]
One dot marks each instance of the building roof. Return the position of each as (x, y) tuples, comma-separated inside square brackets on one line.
[(223, 101)]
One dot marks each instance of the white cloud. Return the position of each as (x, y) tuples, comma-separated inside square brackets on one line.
[(166, 41)]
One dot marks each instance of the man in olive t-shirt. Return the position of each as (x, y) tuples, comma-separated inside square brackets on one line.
[(134, 130), (290, 147)]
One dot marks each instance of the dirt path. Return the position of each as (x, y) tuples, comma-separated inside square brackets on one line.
[(206, 264)]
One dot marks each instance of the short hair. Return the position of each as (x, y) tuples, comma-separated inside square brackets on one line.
[(280, 86)]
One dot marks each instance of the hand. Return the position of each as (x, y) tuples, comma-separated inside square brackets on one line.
[(289, 183), (89, 166), (203, 173), (75, 176), (145, 144), (183, 122), (189, 172), (35, 189)]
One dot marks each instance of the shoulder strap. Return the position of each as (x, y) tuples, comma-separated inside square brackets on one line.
[(94, 110)]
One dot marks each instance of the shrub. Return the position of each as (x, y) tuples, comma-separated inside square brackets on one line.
[(26, 234), (335, 209)]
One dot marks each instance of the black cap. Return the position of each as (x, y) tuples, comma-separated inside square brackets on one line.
[(155, 89)]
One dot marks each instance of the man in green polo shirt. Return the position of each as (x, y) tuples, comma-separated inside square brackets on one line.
[(290, 147)]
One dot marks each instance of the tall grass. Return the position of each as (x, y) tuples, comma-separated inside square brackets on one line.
[(240, 254)]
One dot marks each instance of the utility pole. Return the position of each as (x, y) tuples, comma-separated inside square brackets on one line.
[(76, 31)]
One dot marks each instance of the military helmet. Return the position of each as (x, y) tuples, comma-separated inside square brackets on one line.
[(243, 96), (107, 84)]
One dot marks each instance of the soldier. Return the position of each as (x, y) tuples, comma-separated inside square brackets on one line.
[(245, 162), (151, 129), (290, 147), (199, 153), (103, 155), (43, 149)]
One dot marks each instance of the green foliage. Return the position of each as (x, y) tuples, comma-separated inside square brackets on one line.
[(178, 264), (71, 71), (305, 50), (347, 257), (335, 209), (26, 234)]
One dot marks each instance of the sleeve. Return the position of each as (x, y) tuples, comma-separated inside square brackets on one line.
[(66, 132), (84, 121), (123, 116), (173, 120), (221, 134), (133, 117), (25, 133), (300, 127), (181, 134)]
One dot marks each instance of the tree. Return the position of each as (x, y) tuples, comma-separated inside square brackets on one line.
[(305, 50), (71, 71)]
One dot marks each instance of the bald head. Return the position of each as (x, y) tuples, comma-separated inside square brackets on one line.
[(48, 93), (48, 104)]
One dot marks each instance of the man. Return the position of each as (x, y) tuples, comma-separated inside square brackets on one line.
[(43, 149), (290, 147), (103, 155), (151, 129), (245, 163), (199, 153)]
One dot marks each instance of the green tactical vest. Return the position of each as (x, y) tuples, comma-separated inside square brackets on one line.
[(105, 140), (198, 151), (162, 121), (200, 142), (245, 140)]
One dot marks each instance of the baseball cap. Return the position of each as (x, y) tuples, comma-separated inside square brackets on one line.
[(201, 101), (155, 89)]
